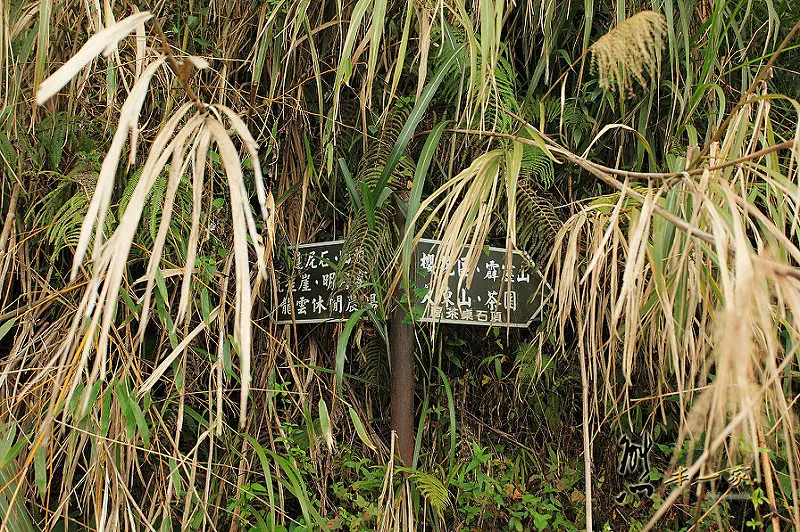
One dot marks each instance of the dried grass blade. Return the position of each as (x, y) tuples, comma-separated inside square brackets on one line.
[(167, 362), (612, 225), (96, 44), (176, 170), (116, 250), (101, 198), (141, 42), (636, 256), (251, 146), (198, 176), (239, 209)]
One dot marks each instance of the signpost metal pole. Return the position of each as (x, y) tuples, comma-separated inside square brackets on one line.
[(401, 353)]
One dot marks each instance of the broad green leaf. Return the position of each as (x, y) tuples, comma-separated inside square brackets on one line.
[(105, 414), (360, 430), (351, 184), (410, 127), (341, 348), (5, 327), (7, 434), (40, 470), (162, 286), (127, 412), (205, 305), (325, 423), (176, 476)]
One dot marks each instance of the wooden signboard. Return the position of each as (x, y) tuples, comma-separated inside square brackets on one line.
[(308, 291), (495, 297)]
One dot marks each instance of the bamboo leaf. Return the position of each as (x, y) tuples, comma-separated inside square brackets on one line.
[(344, 70), (103, 40), (267, 470), (417, 186), (376, 33), (360, 430), (325, 423), (410, 127), (351, 184), (451, 408), (341, 346), (5, 327)]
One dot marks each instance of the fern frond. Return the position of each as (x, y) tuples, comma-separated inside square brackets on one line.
[(154, 206), (537, 167), (537, 221), (375, 360), (63, 209), (181, 216), (432, 489), (504, 96), (570, 116), (366, 252), (377, 152), (65, 229), (128, 192)]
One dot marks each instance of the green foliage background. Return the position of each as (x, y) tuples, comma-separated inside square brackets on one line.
[(342, 98)]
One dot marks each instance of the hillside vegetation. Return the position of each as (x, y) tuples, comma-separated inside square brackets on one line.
[(159, 164)]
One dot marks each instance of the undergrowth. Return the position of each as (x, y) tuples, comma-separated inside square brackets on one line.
[(158, 168)]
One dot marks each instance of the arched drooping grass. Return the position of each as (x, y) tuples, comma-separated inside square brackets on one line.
[(89, 354)]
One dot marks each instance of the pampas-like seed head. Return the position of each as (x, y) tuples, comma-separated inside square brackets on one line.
[(625, 52)]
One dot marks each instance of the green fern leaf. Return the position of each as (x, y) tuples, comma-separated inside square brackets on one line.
[(537, 221), (433, 490)]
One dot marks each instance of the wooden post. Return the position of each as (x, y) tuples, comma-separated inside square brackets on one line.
[(401, 357)]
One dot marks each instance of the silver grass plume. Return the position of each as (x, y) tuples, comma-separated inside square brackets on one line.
[(627, 51)]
